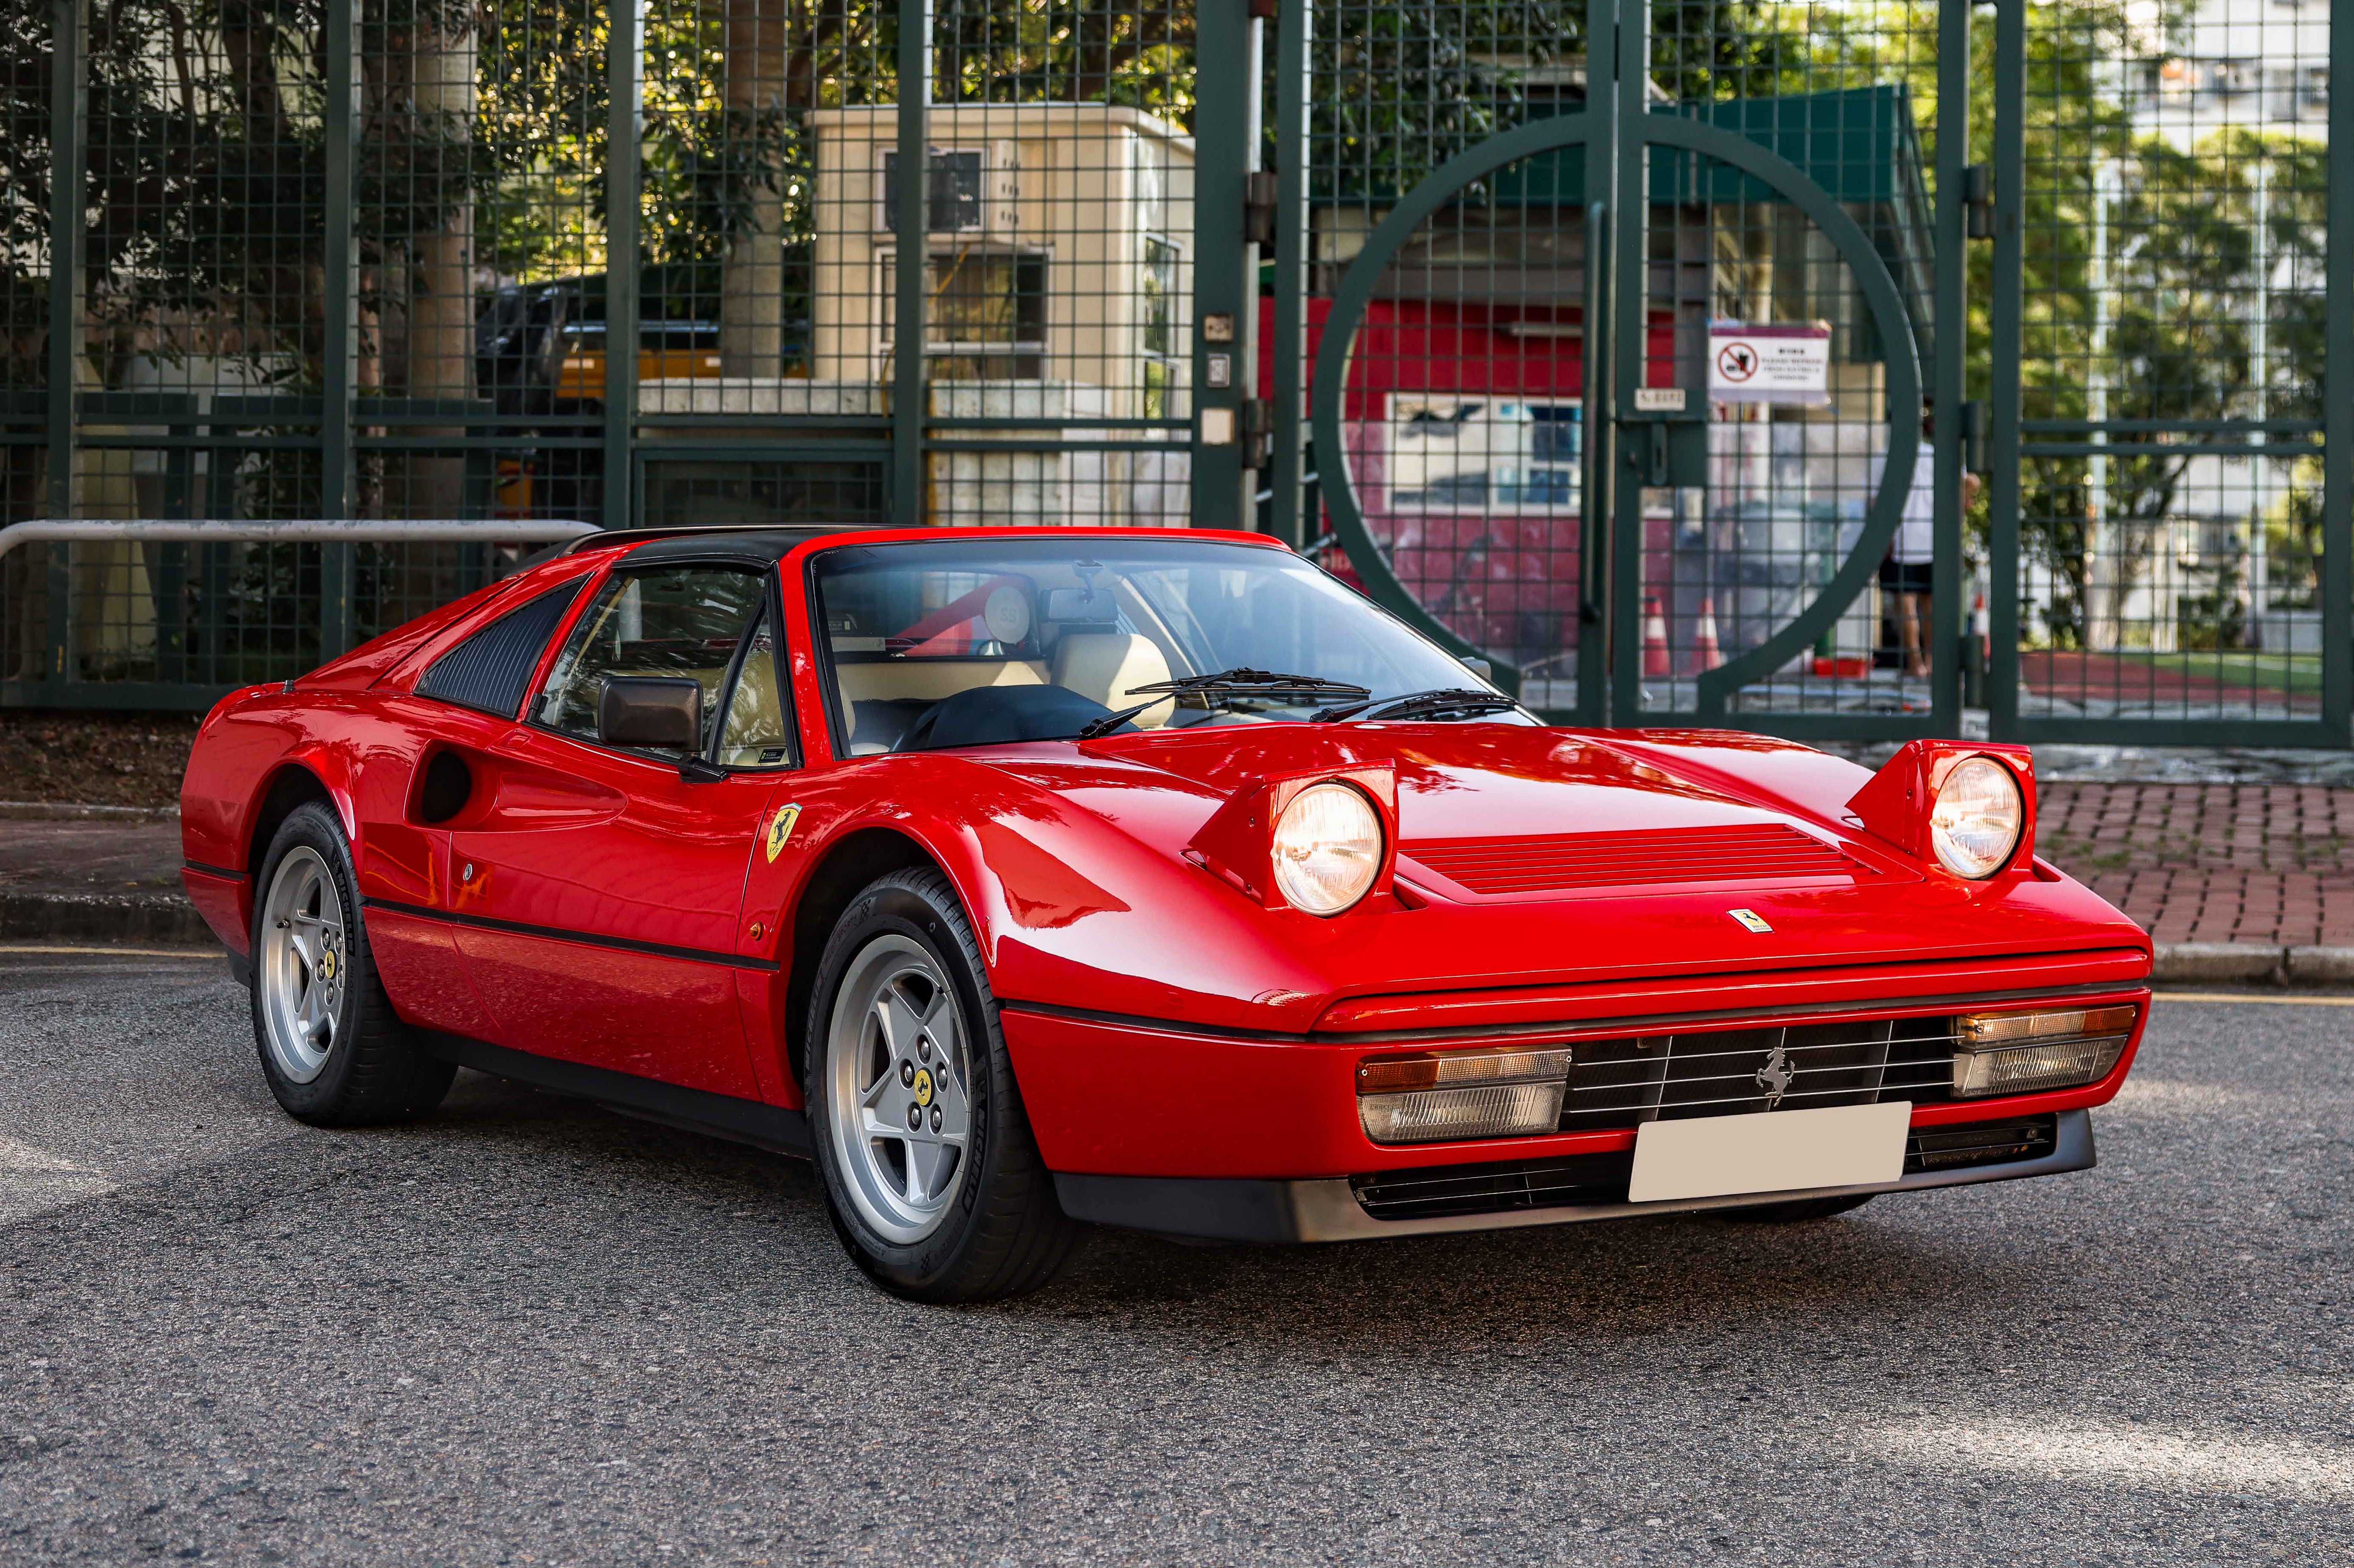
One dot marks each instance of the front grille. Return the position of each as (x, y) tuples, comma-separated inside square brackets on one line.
[(1435, 1192), (1624, 1082), (1568, 862), (1442, 1192), (1981, 1143)]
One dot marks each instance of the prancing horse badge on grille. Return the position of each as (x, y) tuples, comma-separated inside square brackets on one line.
[(1750, 920), (1775, 1076)]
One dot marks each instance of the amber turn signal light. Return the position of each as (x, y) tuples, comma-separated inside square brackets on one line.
[(1437, 1095), (2022, 1052)]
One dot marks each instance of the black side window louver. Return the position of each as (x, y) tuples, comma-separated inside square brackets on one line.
[(489, 670)]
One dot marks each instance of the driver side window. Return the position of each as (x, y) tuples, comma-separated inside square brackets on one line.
[(678, 621)]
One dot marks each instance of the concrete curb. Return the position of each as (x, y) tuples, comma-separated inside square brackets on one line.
[(2244, 963), (70, 812), (162, 918)]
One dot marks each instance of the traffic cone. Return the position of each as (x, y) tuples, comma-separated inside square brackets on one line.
[(1707, 655), (1655, 638)]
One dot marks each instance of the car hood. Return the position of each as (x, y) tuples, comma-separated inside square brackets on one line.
[(1527, 856), (1516, 787)]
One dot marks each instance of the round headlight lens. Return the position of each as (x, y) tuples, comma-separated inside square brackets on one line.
[(1328, 848), (1976, 822)]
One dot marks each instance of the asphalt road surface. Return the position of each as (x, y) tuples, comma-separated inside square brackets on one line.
[(530, 1332)]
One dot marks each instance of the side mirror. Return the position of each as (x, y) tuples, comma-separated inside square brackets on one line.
[(656, 712), (1480, 667)]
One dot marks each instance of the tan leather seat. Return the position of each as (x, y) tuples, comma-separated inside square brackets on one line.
[(1108, 666), (929, 680), (883, 698)]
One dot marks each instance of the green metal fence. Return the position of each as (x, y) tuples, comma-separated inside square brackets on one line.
[(1444, 292)]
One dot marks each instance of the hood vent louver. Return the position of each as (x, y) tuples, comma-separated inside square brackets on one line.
[(1650, 857)]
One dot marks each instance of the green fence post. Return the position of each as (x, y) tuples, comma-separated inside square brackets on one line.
[(1630, 227), (1597, 427), (624, 34), (69, 222), (912, 219), (2003, 488), (1947, 386), (336, 367), (2337, 400), (1290, 516), (1225, 285)]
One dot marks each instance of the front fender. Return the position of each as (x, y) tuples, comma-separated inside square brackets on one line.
[(1069, 908)]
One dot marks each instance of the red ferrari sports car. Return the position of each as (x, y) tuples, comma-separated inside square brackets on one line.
[(1027, 879)]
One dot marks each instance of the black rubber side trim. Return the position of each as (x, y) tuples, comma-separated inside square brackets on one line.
[(763, 1126), (240, 969), (224, 872), (1219, 1208), (1165, 1025), (557, 934)]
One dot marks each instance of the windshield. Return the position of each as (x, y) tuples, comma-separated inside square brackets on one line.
[(982, 641)]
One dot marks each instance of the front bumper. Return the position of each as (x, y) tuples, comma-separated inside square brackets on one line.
[(1324, 1209)]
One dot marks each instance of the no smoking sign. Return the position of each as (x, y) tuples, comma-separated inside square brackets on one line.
[(1771, 363)]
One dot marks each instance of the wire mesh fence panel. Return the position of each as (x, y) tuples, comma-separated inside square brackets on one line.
[(198, 349), (480, 192), (1757, 339), (1055, 268), (1462, 428), (2171, 516), (26, 62), (744, 285), (375, 257)]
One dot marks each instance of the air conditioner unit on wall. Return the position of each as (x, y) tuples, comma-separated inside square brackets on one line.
[(975, 190)]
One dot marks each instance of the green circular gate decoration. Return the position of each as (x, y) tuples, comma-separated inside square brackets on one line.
[(1889, 317)]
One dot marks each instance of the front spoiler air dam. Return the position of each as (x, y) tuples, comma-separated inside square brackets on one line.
[(1224, 1209)]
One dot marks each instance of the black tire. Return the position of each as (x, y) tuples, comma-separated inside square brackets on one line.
[(374, 1071), (1797, 1210), (1003, 1233)]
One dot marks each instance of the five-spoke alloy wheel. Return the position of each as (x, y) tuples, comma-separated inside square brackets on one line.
[(300, 965), (933, 1179), (899, 1111), (333, 1050)]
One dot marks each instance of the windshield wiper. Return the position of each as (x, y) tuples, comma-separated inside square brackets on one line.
[(1240, 681), (1433, 704)]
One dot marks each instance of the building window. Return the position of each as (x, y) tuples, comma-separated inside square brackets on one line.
[(986, 319), (1159, 286), (2235, 78), (952, 195)]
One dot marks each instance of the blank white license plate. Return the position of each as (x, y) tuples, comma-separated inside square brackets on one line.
[(1774, 1151)]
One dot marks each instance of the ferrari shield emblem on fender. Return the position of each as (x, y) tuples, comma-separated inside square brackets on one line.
[(780, 828), (1750, 919)]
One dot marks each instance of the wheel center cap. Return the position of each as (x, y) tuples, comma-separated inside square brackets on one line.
[(923, 1085), (327, 964)]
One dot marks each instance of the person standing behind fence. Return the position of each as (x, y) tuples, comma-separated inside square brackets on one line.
[(1907, 574)]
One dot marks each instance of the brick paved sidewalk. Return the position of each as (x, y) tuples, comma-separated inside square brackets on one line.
[(2257, 865), (2270, 864), (99, 874)]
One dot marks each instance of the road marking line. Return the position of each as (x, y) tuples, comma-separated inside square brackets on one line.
[(121, 952), (2244, 996)]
